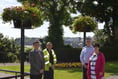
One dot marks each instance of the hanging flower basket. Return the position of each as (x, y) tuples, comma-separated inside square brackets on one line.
[(84, 24), (17, 23), (26, 17)]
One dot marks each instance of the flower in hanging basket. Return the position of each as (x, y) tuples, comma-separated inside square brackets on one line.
[(84, 24), (31, 16)]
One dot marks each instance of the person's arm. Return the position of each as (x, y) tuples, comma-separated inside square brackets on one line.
[(82, 57), (43, 62), (55, 58), (32, 60), (102, 65)]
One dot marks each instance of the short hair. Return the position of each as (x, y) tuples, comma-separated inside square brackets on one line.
[(96, 45), (49, 43), (88, 38), (36, 42)]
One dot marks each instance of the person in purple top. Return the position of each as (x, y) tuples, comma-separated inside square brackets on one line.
[(85, 54), (36, 59)]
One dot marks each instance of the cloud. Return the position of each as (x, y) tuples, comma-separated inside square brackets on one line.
[(8, 3)]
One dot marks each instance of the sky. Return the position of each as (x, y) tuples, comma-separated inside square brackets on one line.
[(40, 32)]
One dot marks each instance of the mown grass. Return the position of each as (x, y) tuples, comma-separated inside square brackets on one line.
[(70, 73)]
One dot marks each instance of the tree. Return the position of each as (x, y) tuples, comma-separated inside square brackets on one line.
[(104, 11), (84, 24), (57, 12), (8, 49), (100, 37)]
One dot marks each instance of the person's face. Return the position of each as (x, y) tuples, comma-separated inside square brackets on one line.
[(96, 49), (88, 42), (36, 46), (49, 46)]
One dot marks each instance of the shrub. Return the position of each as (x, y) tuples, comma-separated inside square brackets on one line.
[(7, 57), (11, 57), (110, 52)]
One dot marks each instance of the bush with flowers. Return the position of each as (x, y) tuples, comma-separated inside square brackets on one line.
[(31, 15), (68, 65)]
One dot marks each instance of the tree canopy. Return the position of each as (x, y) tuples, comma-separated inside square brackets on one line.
[(57, 12), (104, 11)]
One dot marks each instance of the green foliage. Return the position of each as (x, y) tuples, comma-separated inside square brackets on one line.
[(28, 49), (7, 45), (84, 24), (100, 37), (104, 11), (11, 57), (26, 57)]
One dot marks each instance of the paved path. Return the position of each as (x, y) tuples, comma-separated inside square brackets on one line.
[(12, 64), (6, 75)]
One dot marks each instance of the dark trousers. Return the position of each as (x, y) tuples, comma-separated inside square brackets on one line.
[(49, 74), (84, 72), (36, 76)]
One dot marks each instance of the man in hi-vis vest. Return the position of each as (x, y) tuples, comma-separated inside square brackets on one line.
[(50, 60)]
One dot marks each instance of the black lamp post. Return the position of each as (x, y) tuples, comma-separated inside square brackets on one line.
[(87, 29), (22, 53), (26, 24)]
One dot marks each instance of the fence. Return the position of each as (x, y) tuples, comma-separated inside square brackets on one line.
[(15, 76)]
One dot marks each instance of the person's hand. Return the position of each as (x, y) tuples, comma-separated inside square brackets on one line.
[(85, 66), (52, 67), (100, 74), (42, 71)]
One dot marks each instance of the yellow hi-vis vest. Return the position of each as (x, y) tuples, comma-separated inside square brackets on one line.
[(47, 58)]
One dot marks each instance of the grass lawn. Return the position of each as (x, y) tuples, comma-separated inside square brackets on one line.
[(71, 73)]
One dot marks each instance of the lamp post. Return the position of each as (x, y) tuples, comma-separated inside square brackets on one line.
[(22, 24), (18, 23), (87, 29), (22, 53)]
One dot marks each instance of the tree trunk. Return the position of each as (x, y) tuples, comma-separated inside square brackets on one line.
[(116, 32), (115, 23), (56, 34)]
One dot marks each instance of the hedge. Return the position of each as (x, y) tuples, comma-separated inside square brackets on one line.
[(68, 54), (7, 57), (110, 52)]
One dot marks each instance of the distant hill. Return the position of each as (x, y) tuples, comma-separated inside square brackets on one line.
[(74, 42), (28, 41)]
